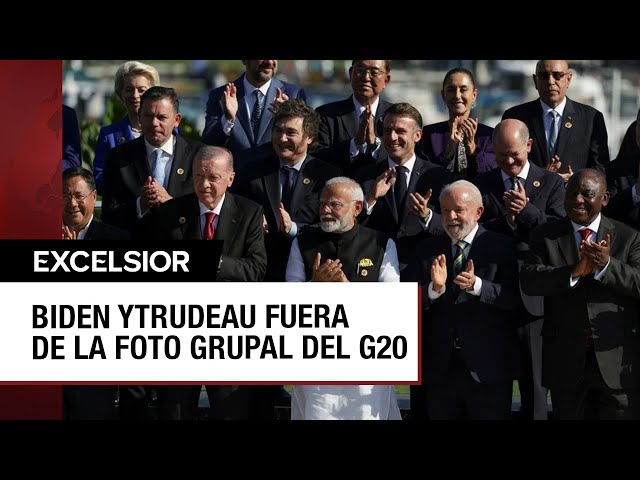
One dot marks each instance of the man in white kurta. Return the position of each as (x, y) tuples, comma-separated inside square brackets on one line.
[(340, 203)]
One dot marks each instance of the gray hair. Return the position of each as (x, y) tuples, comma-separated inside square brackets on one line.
[(211, 151), (470, 188), (351, 184), (134, 68)]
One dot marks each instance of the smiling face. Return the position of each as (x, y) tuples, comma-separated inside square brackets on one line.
[(511, 146), (289, 140), (338, 209), (585, 196), (78, 203), (552, 80), (460, 212), (133, 88), (400, 136), (260, 72), (458, 94)]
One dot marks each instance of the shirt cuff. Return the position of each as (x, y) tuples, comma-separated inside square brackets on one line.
[(635, 198), (477, 287), (433, 295), (599, 273), (294, 230), (228, 126)]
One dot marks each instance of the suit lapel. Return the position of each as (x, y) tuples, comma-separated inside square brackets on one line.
[(267, 116), (564, 133), (242, 114), (535, 175), (567, 243), (300, 188), (349, 120), (497, 191), (606, 227), (227, 222), (272, 189), (538, 132), (178, 167)]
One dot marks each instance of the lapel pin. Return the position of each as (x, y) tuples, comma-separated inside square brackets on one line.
[(306, 181), (364, 273), (182, 220), (536, 183), (121, 140), (568, 125), (180, 171)]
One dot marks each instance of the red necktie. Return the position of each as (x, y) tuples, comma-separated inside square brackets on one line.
[(585, 232), (209, 231)]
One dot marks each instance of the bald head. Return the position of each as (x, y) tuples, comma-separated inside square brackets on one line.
[(511, 144)]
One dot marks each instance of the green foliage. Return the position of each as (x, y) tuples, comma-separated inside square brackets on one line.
[(89, 130), (114, 111), (188, 129)]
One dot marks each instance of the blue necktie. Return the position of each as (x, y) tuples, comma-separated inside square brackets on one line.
[(256, 113), (158, 166), (553, 133)]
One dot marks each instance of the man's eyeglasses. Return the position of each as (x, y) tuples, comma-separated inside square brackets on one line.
[(334, 204), (362, 71), (78, 197), (546, 75)]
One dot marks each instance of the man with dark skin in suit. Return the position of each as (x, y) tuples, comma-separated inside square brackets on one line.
[(588, 268)]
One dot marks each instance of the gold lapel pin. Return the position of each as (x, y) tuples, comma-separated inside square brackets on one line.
[(568, 125), (180, 171), (536, 183), (306, 181), (364, 273), (182, 220)]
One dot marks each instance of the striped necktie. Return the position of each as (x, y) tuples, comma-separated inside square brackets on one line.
[(459, 260)]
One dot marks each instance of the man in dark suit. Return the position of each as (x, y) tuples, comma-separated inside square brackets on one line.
[(588, 268), (565, 133), (234, 119), (517, 197), (469, 293), (351, 129), (210, 213), (401, 203), (146, 172), (397, 203), (622, 182), (289, 185), (85, 402)]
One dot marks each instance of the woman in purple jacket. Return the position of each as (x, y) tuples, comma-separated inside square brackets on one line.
[(460, 144)]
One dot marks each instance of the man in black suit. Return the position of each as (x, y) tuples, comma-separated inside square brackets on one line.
[(351, 129), (588, 268), (517, 197), (622, 181), (85, 402), (237, 120), (146, 172), (469, 292), (212, 212), (289, 186), (565, 133), (401, 193)]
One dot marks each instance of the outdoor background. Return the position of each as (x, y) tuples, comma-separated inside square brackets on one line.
[(611, 86)]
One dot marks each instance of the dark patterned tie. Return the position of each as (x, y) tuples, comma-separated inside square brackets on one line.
[(514, 183), (458, 261), (256, 113), (400, 188), (287, 186)]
